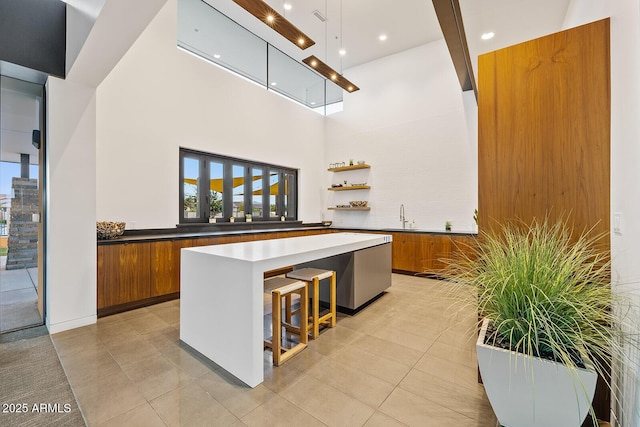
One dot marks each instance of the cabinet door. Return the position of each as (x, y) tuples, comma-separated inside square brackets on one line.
[(440, 252), (433, 250), (123, 273), (403, 252), (464, 245), (165, 266)]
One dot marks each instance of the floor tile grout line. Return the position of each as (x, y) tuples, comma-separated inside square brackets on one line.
[(195, 378), (302, 409), (397, 386), (149, 402), (73, 391)]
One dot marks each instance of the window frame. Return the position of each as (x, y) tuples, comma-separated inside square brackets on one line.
[(228, 163)]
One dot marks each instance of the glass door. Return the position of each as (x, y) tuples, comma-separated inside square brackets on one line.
[(21, 195)]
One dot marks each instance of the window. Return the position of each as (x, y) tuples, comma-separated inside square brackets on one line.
[(238, 191), (256, 193), (191, 188), (212, 36), (214, 188)]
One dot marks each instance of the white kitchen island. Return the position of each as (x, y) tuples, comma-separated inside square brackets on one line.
[(221, 292)]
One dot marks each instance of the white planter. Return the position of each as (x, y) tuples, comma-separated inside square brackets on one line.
[(528, 391)]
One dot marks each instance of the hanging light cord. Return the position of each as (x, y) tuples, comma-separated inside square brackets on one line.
[(326, 37), (341, 40)]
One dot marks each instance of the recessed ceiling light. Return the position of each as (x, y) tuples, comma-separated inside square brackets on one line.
[(382, 37), (216, 55), (274, 83), (343, 52), (487, 36), (313, 103), (287, 6), (265, 13)]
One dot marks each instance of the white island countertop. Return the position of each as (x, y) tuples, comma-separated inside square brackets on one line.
[(298, 248), (221, 293)]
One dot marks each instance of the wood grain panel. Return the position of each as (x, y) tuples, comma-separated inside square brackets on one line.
[(403, 252), (165, 266), (123, 273), (544, 129), (433, 251)]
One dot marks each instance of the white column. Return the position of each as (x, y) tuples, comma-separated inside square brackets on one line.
[(71, 219)]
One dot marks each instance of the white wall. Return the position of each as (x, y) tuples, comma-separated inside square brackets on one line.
[(625, 156), (71, 238), (416, 128), (71, 163), (159, 98)]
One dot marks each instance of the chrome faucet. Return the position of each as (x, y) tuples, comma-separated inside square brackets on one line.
[(402, 218)]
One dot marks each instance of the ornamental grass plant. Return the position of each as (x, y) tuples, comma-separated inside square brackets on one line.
[(547, 293)]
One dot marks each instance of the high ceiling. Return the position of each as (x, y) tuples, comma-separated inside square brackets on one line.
[(354, 25)]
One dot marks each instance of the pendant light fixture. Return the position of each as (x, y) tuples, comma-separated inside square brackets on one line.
[(330, 73), (279, 23), (326, 70)]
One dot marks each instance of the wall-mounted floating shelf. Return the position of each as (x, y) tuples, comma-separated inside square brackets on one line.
[(350, 187), (349, 168), (366, 208)]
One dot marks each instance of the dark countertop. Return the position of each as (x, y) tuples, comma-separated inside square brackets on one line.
[(409, 230), (208, 230), (228, 229)]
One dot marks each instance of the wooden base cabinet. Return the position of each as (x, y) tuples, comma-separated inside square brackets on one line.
[(136, 274), (123, 273), (426, 253), (165, 266), (403, 255)]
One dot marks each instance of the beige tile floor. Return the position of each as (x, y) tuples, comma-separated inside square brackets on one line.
[(401, 361)]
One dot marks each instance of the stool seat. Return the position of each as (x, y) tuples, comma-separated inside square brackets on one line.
[(312, 277), (308, 274), (280, 287), (283, 285)]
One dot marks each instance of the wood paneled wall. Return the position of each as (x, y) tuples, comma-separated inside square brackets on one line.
[(544, 129), (544, 135)]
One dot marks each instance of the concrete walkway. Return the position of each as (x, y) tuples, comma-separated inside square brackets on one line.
[(18, 299)]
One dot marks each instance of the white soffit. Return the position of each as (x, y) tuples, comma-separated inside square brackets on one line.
[(119, 24)]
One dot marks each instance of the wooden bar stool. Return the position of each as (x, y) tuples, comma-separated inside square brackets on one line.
[(313, 276), (281, 287)]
